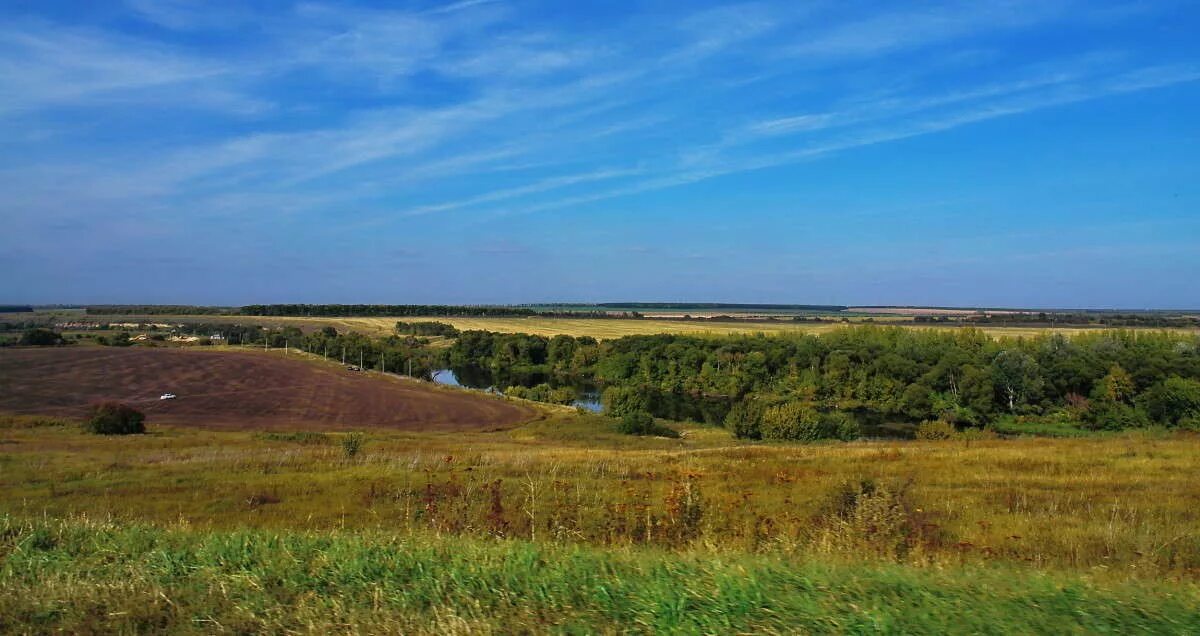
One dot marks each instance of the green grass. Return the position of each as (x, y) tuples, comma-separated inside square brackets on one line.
[(1042, 427), (80, 576)]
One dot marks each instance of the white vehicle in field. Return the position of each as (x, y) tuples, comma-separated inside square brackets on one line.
[(167, 396)]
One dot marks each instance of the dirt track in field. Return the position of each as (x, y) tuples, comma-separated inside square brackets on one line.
[(237, 390)]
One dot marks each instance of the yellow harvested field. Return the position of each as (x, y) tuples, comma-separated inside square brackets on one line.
[(600, 328)]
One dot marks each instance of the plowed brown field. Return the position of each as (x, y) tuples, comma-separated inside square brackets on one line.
[(239, 389)]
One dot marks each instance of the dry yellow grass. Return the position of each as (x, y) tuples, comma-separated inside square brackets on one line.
[(1129, 504)]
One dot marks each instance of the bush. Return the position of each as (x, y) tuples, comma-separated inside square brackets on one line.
[(642, 423), (352, 444), (745, 419), (542, 393), (801, 422), (936, 429), (843, 426), (39, 337), (791, 421), (868, 518), (114, 418), (1115, 416)]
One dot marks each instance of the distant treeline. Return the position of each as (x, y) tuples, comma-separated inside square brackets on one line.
[(351, 311), (314, 310), (15, 309), (426, 329), (780, 318), (157, 310), (488, 311), (448, 311), (709, 306), (1150, 319)]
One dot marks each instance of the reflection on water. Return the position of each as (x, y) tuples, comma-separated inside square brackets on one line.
[(445, 377), (670, 406), (587, 397)]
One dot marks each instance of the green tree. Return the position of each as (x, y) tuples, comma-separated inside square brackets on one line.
[(621, 400), (1116, 387), (1018, 377), (1172, 401)]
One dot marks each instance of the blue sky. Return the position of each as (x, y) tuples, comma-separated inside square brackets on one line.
[(1041, 153)]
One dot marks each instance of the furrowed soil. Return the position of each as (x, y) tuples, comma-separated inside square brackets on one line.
[(238, 390)]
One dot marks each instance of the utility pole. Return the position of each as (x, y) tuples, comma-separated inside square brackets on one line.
[(360, 359), (343, 355)]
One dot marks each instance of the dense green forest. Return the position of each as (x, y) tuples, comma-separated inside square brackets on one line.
[(1101, 380)]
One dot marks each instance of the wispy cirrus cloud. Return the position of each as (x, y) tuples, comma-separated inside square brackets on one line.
[(361, 116), (44, 66), (1013, 99)]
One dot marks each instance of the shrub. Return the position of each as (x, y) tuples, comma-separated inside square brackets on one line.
[(977, 434), (642, 423), (1115, 416), (936, 429), (744, 419), (542, 393), (353, 443), (791, 421), (39, 337), (114, 418), (843, 426), (799, 421), (867, 518)]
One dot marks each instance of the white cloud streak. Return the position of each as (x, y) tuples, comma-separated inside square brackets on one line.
[(339, 107)]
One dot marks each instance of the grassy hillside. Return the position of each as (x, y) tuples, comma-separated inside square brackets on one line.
[(1127, 503)]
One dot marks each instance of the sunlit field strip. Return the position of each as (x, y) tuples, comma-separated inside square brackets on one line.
[(599, 328)]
